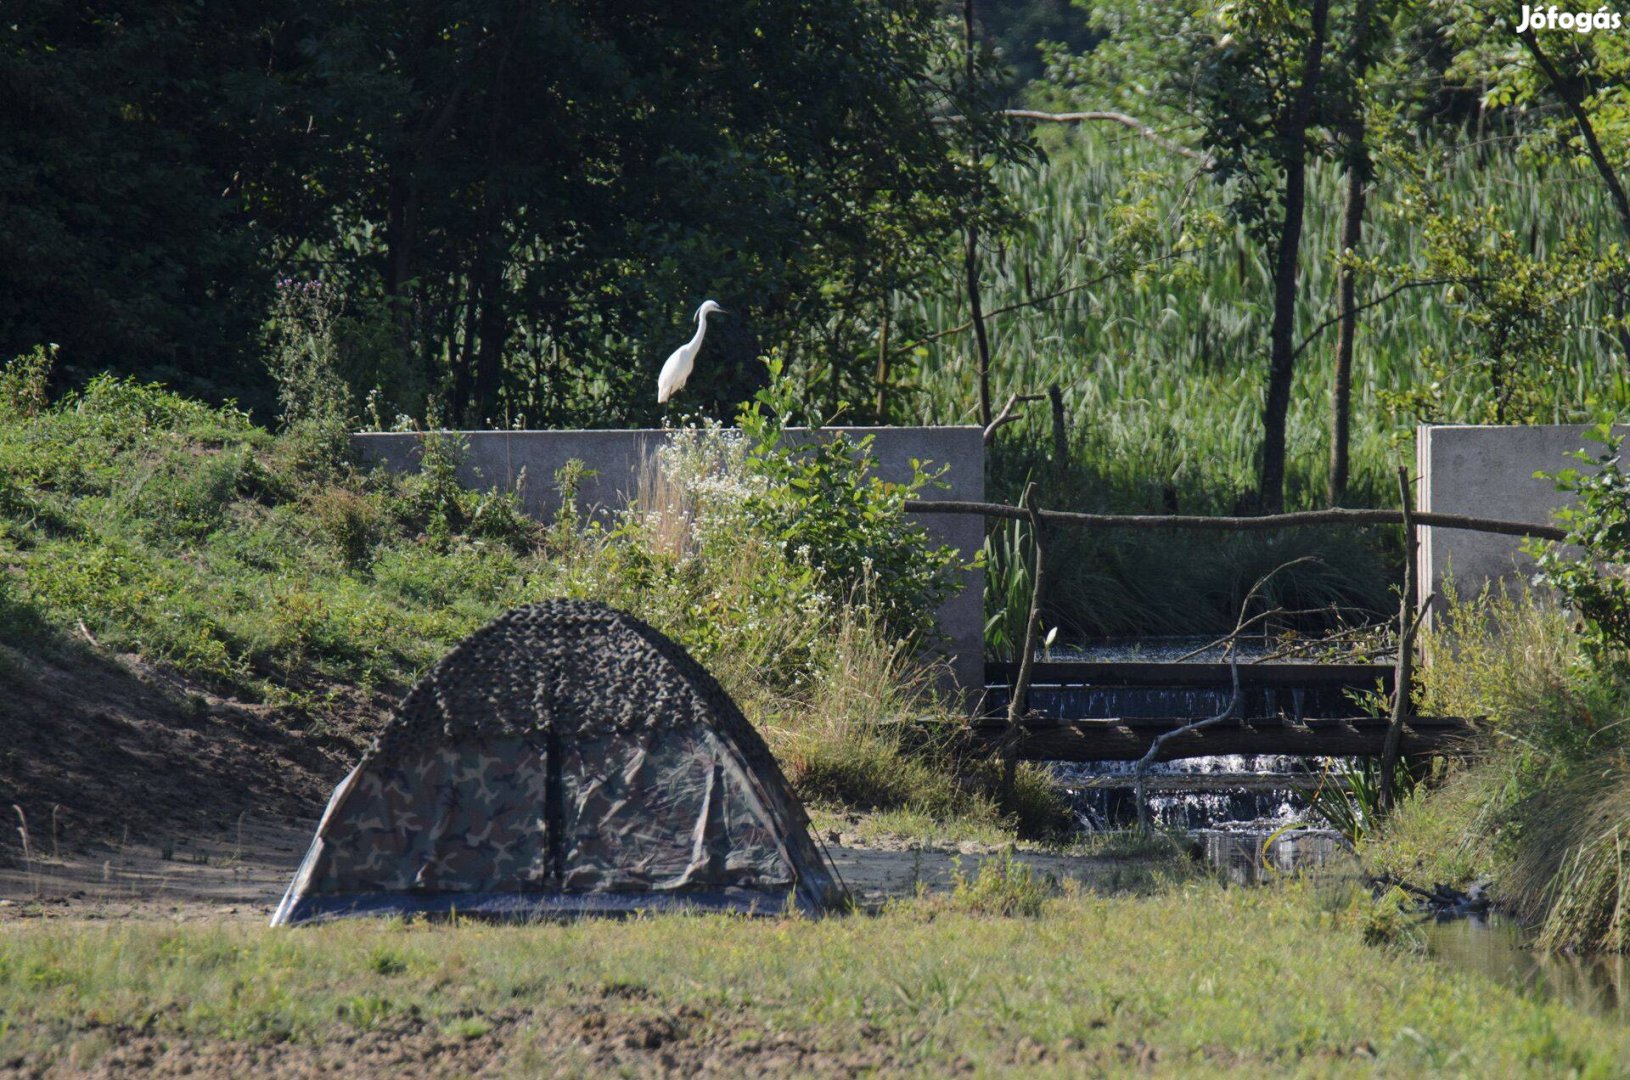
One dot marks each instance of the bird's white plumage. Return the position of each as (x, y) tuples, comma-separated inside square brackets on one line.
[(683, 361)]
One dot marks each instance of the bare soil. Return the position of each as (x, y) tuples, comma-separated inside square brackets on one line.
[(104, 757)]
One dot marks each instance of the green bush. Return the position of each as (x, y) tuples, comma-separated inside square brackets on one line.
[(196, 539), (1539, 804), (1594, 583), (822, 499), (23, 381), (1003, 886)]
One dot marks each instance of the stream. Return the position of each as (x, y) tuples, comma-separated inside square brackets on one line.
[(1498, 948), (1248, 816), (1229, 805)]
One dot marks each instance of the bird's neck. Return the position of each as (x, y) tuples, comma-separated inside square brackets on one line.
[(701, 328)]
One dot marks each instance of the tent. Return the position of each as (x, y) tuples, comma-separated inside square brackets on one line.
[(565, 759)]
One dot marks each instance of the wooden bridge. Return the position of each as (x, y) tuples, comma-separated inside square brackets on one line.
[(1271, 721), (1272, 731)]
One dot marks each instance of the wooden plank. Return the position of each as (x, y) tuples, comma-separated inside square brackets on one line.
[(1156, 673), (1129, 740)]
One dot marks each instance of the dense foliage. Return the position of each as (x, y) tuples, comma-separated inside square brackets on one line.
[(1590, 577), (519, 203)]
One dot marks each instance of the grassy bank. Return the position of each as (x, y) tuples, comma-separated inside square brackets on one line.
[(264, 570), (1193, 979), (1540, 805)]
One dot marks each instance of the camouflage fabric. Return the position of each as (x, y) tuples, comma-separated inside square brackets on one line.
[(465, 818), (662, 813), (566, 749)]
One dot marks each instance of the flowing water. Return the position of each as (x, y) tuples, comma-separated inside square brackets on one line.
[(1248, 816), (1246, 813)]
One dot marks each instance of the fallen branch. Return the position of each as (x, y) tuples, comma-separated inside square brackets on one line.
[(1140, 770), (1130, 122)]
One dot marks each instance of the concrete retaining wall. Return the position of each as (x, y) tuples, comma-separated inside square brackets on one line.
[(498, 459), (1487, 471)]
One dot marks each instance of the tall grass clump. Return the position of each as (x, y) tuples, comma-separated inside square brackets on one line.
[(1542, 800)]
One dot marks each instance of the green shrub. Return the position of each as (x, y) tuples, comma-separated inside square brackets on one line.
[(1004, 886), (192, 537), (822, 499), (303, 357), (1595, 583), (24, 379), (1540, 804)]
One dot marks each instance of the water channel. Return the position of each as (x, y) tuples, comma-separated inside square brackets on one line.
[(1248, 816)]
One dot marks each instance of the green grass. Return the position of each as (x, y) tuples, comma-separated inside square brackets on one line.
[(1163, 372), (1197, 979)]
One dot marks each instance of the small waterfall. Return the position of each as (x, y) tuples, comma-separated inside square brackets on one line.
[(1236, 794)]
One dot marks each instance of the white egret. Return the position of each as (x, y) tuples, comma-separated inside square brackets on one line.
[(680, 364)]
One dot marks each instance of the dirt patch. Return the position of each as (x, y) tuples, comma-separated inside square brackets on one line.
[(601, 1035), (103, 754)]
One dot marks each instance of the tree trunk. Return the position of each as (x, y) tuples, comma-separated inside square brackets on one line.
[(1408, 622), (978, 316), (881, 402), (1282, 360), (494, 334), (971, 261), (491, 250), (1352, 231), (464, 367)]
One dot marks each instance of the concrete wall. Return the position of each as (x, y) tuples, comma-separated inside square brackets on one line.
[(498, 459), (1487, 471)]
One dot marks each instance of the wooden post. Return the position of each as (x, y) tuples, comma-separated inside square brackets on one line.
[(1408, 621), (1019, 692)]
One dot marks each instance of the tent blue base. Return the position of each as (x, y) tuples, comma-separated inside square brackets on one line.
[(530, 906)]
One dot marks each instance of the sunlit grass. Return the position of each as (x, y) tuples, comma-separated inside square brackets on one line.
[(1193, 978)]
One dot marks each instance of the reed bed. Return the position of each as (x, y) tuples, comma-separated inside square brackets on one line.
[(1163, 368)]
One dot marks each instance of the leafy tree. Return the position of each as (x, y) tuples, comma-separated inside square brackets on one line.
[(143, 181), (1572, 89), (1250, 82), (522, 203), (1592, 576), (544, 194)]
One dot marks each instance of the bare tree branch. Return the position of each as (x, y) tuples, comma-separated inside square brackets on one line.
[(1007, 415), (1038, 300), (1140, 769), (1383, 298)]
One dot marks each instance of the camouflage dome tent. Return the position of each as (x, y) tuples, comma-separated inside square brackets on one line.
[(564, 759)]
